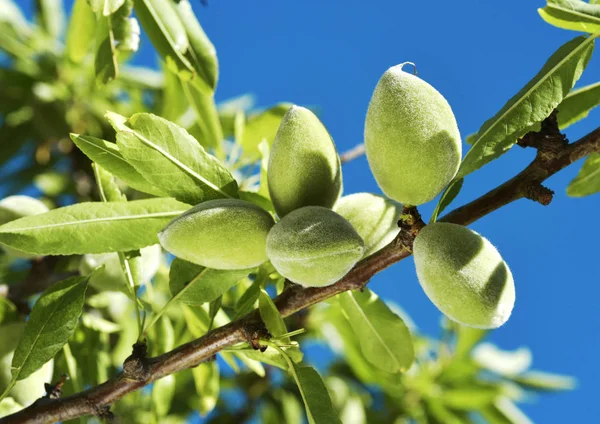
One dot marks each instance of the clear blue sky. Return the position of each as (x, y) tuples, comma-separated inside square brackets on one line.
[(477, 53)]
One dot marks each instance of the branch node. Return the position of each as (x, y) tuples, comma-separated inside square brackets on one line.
[(53, 391), (538, 193), (254, 332), (410, 224), (548, 140), (104, 413), (136, 366)]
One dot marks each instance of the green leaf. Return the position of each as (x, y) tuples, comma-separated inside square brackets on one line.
[(588, 180), (51, 16), (246, 303), (504, 411), (206, 380), (317, 402), (81, 32), (9, 406), (531, 105), (174, 103), (93, 227), (201, 52), (194, 284), (262, 126), (107, 186), (51, 322), (107, 155), (208, 127), (163, 391), (384, 338), (447, 197), (578, 104), (167, 34), (271, 316), (538, 380), (572, 14), (105, 7), (126, 30), (106, 63), (467, 338), (167, 156)]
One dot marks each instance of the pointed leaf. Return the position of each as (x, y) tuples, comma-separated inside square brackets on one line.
[(578, 104), (572, 14), (588, 180), (317, 401), (545, 381), (107, 155), (167, 156), (164, 28), (208, 127), (82, 31), (206, 380), (447, 197), (51, 16), (51, 322), (201, 52), (105, 7), (262, 126), (531, 105), (194, 284), (93, 227), (384, 338), (271, 316)]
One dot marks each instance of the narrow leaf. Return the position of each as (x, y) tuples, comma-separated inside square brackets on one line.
[(81, 32), (578, 104), (51, 322), (206, 380), (271, 316), (167, 156), (246, 303), (572, 14), (107, 155), (529, 106), (105, 7), (51, 16), (208, 125), (384, 338), (545, 381), (163, 392), (92, 227), (194, 284), (317, 402), (201, 52), (262, 126), (588, 180), (447, 197), (164, 28)]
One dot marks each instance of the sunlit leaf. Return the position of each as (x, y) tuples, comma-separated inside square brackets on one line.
[(588, 180), (384, 338), (92, 227), (578, 104), (167, 156), (194, 284), (572, 14), (531, 105)]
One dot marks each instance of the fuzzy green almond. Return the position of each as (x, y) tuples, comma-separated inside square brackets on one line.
[(375, 218), (220, 234), (304, 166), (463, 274), (314, 246), (412, 140)]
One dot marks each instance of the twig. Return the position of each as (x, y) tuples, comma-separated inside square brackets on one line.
[(355, 152), (295, 298)]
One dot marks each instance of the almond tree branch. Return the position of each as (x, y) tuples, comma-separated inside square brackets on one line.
[(553, 155), (354, 153)]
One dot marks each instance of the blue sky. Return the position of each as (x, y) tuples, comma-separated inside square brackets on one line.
[(477, 54)]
